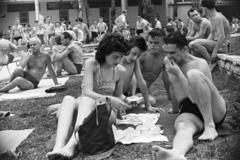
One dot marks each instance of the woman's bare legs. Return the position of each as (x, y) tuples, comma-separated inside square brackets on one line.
[(65, 121), (85, 107)]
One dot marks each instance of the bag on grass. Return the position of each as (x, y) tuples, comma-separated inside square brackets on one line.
[(96, 136)]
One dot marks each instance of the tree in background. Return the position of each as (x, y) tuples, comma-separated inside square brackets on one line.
[(145, 9), (87, 11), (175, 6), (113, 11)]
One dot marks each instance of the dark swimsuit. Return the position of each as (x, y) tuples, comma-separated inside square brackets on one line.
[(139, 31), (78, 67), (186, 106), (30, 78), (17, 38)]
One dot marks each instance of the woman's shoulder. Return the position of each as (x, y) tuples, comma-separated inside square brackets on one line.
[(120, 70), (91, 63)]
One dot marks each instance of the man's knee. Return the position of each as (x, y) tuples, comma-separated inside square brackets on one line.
[(192, 44), (18, 69), (152, 101)]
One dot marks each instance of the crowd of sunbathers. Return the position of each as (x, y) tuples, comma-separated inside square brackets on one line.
[(122, 69)]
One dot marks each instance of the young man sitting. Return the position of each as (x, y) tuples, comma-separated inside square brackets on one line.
[(131, 64)]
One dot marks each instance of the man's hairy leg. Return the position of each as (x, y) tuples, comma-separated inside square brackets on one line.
[(18, 72), (186, 125), (210, 103), (19, 82)]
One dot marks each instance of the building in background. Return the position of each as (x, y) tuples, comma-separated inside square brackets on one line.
[(57, 9)]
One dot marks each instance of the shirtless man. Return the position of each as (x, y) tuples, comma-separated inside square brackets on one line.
[(16, 35), (31, 69), (139, 26), (201, 26), (82, 26), (121, 21), (201, 106), (50, 31), (70, 59), (218, 40), (131, 64), (102, 26), (5, 48), (151, 62)]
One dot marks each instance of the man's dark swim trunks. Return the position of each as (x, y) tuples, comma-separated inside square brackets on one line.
[(17, 38), (30, 78), (186, 106), (78, 67)]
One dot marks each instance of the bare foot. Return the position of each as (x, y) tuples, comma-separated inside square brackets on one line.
[(171, 111), (54, 155), (209, 133), (164, 154)]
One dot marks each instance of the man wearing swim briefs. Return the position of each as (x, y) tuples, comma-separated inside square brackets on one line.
[(201, 108), (102, 26), (71, 58), (16, 35), (82, 26), (94, 31), (50, 31), (30, 69), (218, 40), (139, 26)]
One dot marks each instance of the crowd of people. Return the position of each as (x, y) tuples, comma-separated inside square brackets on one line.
[(127, 66)]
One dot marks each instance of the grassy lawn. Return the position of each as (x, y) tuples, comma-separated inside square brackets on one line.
[(32, 114)]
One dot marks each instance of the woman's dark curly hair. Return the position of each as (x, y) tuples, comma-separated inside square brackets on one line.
[(111, 43)]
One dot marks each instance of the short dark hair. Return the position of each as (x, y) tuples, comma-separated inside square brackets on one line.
[(48, 17), (157, 18), (124, 11), (111, 42), (9, 27), (191, 10), (209, 4), (156, 32), (58, 22), (138, 42), (67, 35), (169, 19), (80, 20), (1, 33), (170, 29), (62, 19), (58, 39), (177, 38)]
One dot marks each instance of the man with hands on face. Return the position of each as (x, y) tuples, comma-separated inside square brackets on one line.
[(201, 107), (31, 69)]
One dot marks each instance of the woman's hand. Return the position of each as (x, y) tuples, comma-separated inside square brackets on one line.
[(154, 109), (119, 106)]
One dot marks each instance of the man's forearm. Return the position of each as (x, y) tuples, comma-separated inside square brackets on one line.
[(144, 91), (184, 84), (52, 73)]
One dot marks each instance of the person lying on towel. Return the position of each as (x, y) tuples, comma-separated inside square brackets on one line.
[(30, 69)]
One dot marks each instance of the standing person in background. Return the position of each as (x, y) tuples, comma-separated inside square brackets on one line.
[(82, 26), (94, 31), (16, 35), (139, 26), (121, 20), (5, 48), (63, 24), (79, 34), (50, 31), (158, 23), (9, 32), (58, 28), (41, 34), (102, 26), (126, 34)]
